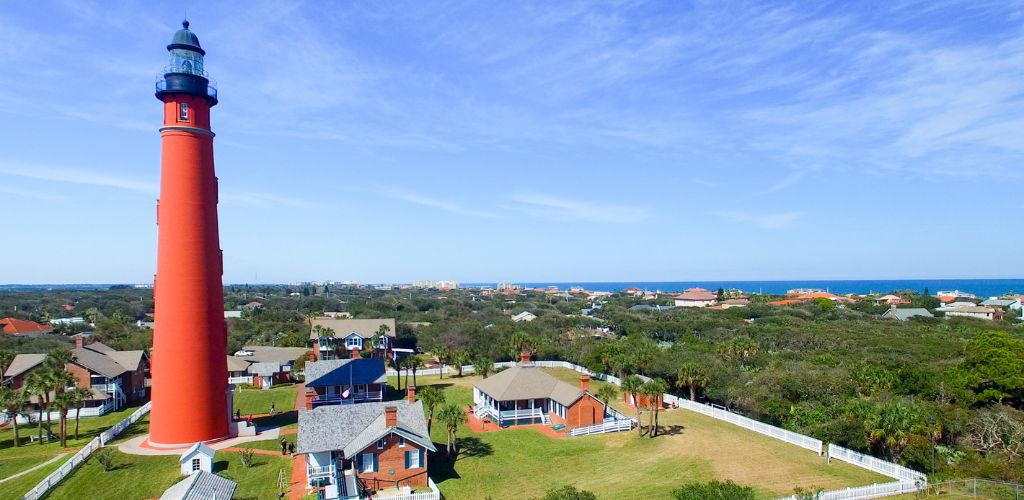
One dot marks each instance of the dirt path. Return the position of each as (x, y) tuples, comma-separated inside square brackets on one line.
[(40, 466)]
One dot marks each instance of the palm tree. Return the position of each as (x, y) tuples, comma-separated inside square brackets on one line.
[(483, 367), (13, 401), (606, 393), (38, 384), (891, 428), (63, 401), (405, 364), (519, 343), (632, 386), (6, 357), (397, 362), (79, 395), (653, 389), (692, 376), (414, 362), (451, 415), (460, 358), (432, 397), (442, 354)]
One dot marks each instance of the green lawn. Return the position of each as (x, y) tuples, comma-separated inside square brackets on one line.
[(15, 488), (258, 401), (694, 448), (14, 460), (268, 444), (138, 477)]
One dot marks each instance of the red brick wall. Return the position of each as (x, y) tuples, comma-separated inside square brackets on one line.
[(80, 374), (393, 457), (585, 411)]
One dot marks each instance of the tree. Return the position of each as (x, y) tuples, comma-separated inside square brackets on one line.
[(79, 396), (693, 377), (451, 415), (63, 401), (432, 397), (568, 492), (993, 368), (519, 343), (714, 490), (483, 367), (653, 389), (413, 362), (6, 357), (890, 428), (13, 401), (460, 358), (38, 384), (632, 386), (442, 354), (606, 393)]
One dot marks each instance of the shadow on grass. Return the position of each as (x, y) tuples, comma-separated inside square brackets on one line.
[(393, 393), (670, 430), (474, 447), (279, 420), (220, 466)]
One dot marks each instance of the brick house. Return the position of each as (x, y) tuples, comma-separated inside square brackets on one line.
[(526, 394), (263, 366), (349, 335), (344, 381), (115, 377), (356, 451)]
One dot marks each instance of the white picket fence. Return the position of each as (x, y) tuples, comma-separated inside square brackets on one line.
[(613, 426), (779, 433), (880, 466), (78, 458), (867, 492)]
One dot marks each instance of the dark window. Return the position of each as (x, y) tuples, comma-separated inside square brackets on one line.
[(183, 112)]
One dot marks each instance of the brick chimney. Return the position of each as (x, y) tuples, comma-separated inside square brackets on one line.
[(79, 341), (585, 383), (314, 355), (410, 393), (309, 396), (524, 357), (354, 353), (391, 416)]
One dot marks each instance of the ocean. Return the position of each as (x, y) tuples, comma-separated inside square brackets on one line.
[(979, 287)]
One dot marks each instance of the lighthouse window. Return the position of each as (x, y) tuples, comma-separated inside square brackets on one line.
[(183, 112)]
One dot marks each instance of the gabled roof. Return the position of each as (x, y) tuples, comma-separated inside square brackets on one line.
[(96, 362), (194, 449), (907, 313), (201, 486), (366, 328), (265, 369), (130, 360), (15, 326), (999, 302), (527, 381), (344, 427), (283, 355), (23, 363), (237, 364), (345, 372), (697, 294)]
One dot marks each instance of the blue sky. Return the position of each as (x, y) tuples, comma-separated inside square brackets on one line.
[(392, 141)]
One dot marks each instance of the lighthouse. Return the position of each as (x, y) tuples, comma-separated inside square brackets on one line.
[(190, 397)]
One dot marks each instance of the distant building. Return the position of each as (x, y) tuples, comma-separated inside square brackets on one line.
[(526, 316), (972, 311), (735, 302), (649, 308), (891, 300), (263, 366), (15, 326), (436, 284), (695, 297), (956, 294), (907, 313), (349, 334), (1012, 304), (77, 320), (232, 314)]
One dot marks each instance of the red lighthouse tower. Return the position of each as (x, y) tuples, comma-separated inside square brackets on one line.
[(190, 384)]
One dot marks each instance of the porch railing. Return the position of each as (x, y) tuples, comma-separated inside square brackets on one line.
[(321, 472), (240, 380), (517, 414), (353, 397)]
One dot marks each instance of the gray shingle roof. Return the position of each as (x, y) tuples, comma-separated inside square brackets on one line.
[(999, 302), (528, 382), (350, 428), (23, 363), (342, 327), (96, 361), (201, 486), (907, 313), (128, 359), (283, 355), (237, 364), (265, 369)]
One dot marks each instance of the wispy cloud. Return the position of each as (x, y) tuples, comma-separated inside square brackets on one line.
[(76, 176), (260, 199), (563, 209), (32, 194), (427, 201), (777, 220)]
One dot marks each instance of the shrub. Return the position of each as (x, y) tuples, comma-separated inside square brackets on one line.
[(247, 458), (105, 457), (714, 490)]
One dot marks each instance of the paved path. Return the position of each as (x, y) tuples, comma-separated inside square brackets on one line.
[(298, 486), (136, 446), (40, 466)]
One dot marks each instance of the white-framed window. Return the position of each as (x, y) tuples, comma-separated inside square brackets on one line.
[(401, 442), (381, 443), (195, 464), (183, 111), (353, 342), (412, 459), (367, 461)]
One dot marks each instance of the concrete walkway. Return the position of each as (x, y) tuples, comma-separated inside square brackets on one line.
[(137, 446), (299, 485), (40, 466)]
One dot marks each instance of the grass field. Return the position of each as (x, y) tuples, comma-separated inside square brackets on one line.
[(136, 477), (258, 401), (695, 448), (14, 460)]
